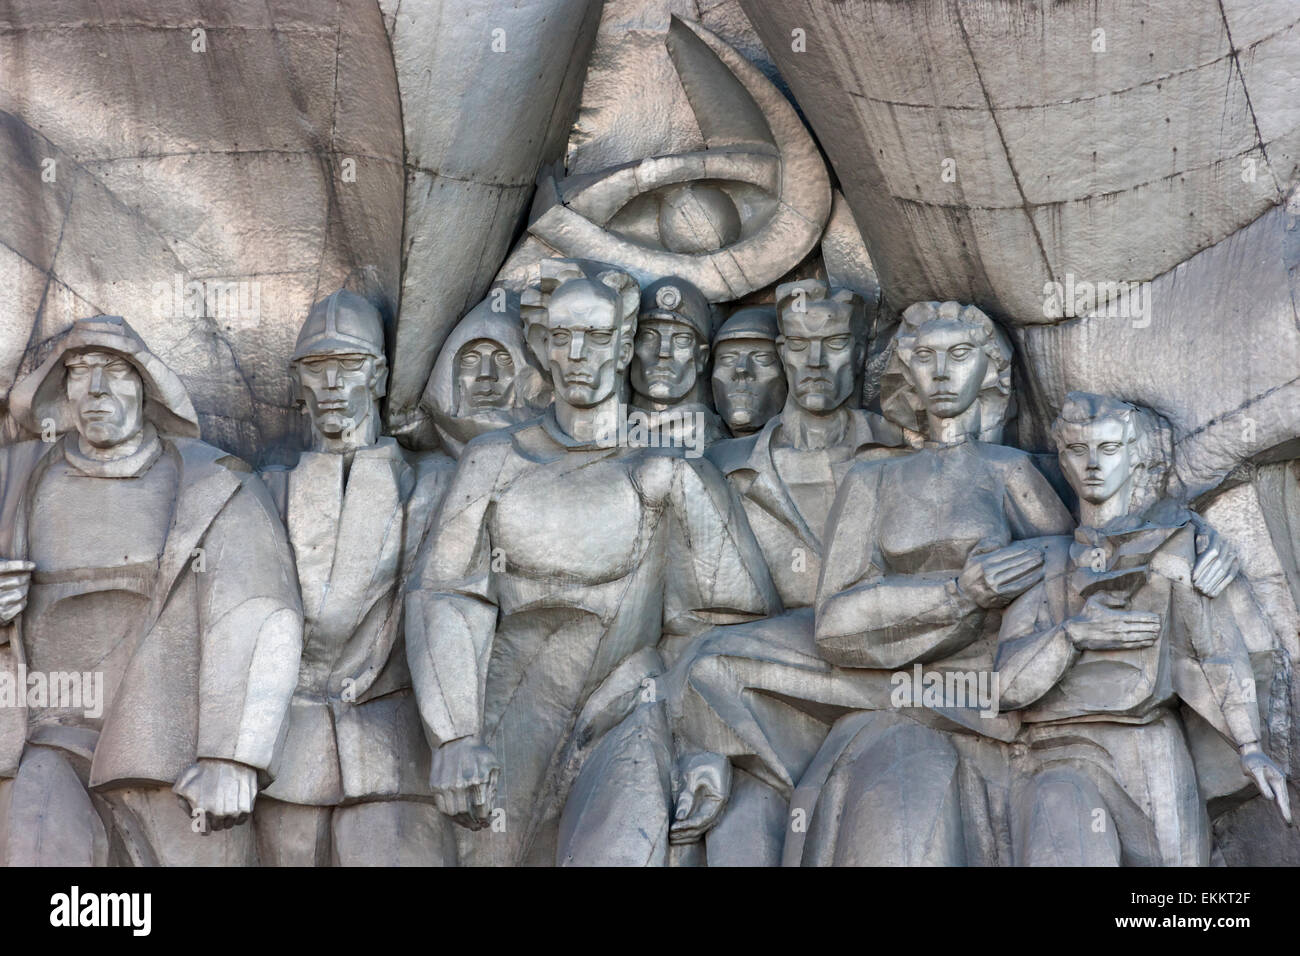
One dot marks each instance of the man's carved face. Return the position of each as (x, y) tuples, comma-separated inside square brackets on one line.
[(820, 354), (667, 359), (485, 377), (585, 351), (1095, 458), (340, 391), (748, 382), (947, 368), (107, 396)]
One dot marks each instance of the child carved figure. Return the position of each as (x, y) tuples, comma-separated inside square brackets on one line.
[(1098, 655)]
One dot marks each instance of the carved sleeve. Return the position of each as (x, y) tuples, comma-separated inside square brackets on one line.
[(1033, 507), (1214, 631), (1034, 651), (451, 608), (868, 618), (250, 620)]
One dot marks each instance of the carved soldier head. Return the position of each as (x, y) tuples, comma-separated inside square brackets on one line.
[(586, 315), (102, 381), (1110, 449), (341, 370), (950, 363), (483, 379), (822, 343), (672, 342), (749, 385)]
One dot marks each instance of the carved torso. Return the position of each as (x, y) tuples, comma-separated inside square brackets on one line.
[(96, 543), (938, 504)]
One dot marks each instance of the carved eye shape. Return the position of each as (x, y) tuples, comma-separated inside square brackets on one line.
[(796, 345), (648, 337), (765, 358), (601, 338), (352, 365), (960, 353), (727, 359), (923, 354), (1111, 448), (503, 359), (78, 371), (469, 359), (117, 368), (560, 337), (683, 340), (315, 366), (839, 342), (1077, 449)]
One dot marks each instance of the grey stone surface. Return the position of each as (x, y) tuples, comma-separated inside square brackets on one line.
[(649, 432), (174, 166)]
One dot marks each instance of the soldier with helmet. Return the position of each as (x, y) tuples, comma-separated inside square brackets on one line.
[(351, 784)]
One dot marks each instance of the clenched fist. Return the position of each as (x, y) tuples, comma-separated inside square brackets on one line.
[(463, 776)]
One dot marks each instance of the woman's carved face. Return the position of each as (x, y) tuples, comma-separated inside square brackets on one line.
[(947, 366)]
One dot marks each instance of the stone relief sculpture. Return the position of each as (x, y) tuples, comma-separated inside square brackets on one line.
[(352, 777), (564, 568), (731, 218), (886, 782), (1097, 653), (749, 385), (787, 473), (483, 380), (152, 566), (670, 361), (569, 576)]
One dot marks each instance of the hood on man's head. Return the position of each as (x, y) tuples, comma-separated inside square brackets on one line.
[(40, 395)]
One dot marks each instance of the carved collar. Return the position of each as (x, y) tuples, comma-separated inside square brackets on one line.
[(128, 466), (552, 428)]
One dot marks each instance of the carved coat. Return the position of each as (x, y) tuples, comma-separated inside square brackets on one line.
[(793, 549), (1109, 714), (215, 659), (354, 731)]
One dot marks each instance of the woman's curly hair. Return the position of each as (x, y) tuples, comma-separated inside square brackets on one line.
[(898, 396)]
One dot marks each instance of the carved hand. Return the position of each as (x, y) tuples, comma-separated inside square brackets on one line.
[(15, 578), (995, 578), (1216, 563), (706, 786), (1099, 627), (463, 776), (222, 790), (1268, 778)]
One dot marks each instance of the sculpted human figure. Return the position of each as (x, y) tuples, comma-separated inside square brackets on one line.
[(483, 379), (563, 568), (351, 784), (669, 359), (749, 383), (1098, 654), (153, 567), (922, 549), (787, 474)]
